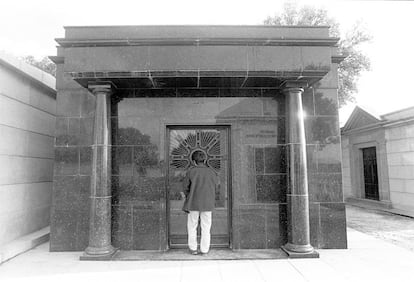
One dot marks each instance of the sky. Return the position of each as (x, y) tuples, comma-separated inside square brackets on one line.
[(29, 27)]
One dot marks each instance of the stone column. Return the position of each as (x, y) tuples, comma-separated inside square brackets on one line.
[(100, 196), (297, 193)]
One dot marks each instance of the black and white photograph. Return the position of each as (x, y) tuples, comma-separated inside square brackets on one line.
[(219, 141)]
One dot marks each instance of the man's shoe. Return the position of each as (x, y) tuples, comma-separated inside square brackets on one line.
[(204, 254), (193, 252)]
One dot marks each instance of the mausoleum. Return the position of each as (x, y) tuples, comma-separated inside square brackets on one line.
[(135, 102)]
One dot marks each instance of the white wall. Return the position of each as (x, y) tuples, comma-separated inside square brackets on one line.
[(27, 122), (400, 154), (346, 168)]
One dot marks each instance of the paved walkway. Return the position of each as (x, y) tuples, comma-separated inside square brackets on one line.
[(367, 259), (390, 227)]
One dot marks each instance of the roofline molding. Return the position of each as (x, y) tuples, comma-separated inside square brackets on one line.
[(199, 42), (381, 124), (353, 116), (201, 25), (337, 59)]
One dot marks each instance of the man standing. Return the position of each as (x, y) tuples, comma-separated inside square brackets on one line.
[(199, 189)]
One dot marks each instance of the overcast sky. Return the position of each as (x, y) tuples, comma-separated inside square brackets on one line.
[(29, 27)]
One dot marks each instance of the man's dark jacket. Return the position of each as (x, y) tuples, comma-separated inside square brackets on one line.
[(199, 188)]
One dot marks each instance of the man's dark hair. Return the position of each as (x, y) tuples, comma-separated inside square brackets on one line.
[(199, 157)]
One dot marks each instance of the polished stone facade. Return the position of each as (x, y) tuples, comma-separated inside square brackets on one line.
[(142, 107)]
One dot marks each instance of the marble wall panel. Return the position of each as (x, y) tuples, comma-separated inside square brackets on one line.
[(308, 102), (326, 102), (314, 224), (251, 228), (63, 230), (85, 160), (316, 58), (275, 159), (66, 161), (286, 58), (122, 224), (86, 131), (271, 188), (311, 158), (122, 160), (69, 103), (322, 129), (328, 158), (146, 229), (262, 132), (67, 131), (87, 104), (325, 187), (257, 121), (332, 226), (276, 226), (64, 81), (330, 80)]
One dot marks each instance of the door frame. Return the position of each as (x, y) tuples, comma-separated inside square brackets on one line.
[(227, 127), (374, 148)]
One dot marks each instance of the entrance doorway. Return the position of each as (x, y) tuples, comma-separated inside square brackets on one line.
[(369, 157), (182, 142)]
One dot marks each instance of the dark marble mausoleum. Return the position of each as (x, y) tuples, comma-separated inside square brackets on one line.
[(135, 102)]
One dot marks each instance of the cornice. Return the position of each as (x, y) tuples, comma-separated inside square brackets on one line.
[(379, 125), (338, 59), (122, 78), (57, 59), (198, 42), (202, 26), (400, 122), (198, 73), (362, 129)]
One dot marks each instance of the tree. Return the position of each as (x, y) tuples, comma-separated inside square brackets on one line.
[(45, 64), (353, 65)]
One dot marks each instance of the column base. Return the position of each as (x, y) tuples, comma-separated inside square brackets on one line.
[(300, 251), (92, 253)]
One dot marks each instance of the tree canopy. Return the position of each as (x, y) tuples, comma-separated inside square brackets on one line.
[(45, 64), (356, 61)]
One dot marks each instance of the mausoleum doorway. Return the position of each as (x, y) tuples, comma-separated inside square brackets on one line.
[(183, 141)]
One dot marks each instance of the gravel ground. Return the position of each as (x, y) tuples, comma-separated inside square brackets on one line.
[(392, 228)]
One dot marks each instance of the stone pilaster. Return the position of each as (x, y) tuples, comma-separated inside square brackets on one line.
[(298, 244), (100, 197)]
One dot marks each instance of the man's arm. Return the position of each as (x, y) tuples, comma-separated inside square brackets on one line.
[(186, 185)]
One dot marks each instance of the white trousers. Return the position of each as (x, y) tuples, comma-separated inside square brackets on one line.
[(192, 222)]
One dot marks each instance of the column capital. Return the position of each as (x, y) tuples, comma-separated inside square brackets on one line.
[(290, 86), (101, 87)]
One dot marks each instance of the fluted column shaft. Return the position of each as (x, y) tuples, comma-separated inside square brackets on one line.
[(297, 192), (100, 196)]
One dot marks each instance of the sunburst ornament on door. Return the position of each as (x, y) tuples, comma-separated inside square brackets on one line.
[(183, 144)]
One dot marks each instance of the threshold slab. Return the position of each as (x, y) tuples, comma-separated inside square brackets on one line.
[(214, 254)]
